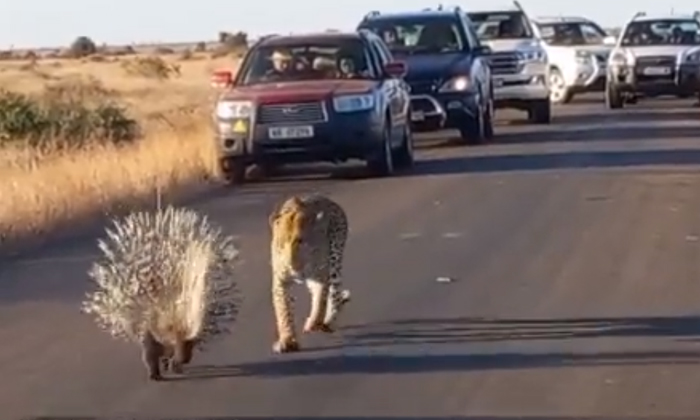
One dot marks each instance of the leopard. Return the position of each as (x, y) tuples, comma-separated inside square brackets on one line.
[(309, 234)]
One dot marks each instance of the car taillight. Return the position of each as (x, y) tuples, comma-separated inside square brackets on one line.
[(221, 79)]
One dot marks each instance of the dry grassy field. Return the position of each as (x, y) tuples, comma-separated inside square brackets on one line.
[(42, 184)]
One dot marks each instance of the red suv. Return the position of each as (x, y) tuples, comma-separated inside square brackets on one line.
[(326, 97)]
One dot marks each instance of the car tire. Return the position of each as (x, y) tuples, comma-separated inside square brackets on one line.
[(559, 93), (472, 130), (404, 157), (540, 112), (381, 163), (233, 171), (488, 120), (613, 98)]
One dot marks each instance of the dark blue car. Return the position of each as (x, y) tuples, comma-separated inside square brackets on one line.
[(448, 70)]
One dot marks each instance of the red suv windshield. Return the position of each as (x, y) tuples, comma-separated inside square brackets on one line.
[(322, 60)]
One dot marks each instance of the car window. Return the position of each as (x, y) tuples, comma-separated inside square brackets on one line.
[(472, 37), (340, 58), (416, 35), (501, 25), (572, 33), (376, 59), (662, 32), (383, 51), (592, 33)]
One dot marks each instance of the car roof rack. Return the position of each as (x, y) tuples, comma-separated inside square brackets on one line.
[(639, 14), (518, 6), (370, 15), (696, 15)]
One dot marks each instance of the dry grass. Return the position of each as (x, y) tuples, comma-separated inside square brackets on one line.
[(39, 189)]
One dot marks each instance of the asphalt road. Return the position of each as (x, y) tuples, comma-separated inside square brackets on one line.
[(573, 254)]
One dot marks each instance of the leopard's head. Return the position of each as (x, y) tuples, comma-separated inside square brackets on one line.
[(292, 228)]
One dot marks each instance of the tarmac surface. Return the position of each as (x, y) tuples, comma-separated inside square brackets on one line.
[(551, 274)]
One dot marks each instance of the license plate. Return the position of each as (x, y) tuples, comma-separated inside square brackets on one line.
[(298, 132), (657, 71), (417, 116)]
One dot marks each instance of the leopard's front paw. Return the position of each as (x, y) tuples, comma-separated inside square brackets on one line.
[(285, 346)]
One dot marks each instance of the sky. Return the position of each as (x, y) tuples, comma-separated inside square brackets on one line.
[(45, 23)]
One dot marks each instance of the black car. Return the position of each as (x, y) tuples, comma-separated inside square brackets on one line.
[(448, 71), (655, 56), (326, 97)]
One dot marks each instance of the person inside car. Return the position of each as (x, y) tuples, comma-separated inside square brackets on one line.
[(281, 65), (511, 28), (437, 36)]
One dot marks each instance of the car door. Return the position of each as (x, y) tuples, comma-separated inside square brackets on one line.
[(398, 94)]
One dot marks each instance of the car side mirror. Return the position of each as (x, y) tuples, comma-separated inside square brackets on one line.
[(396, 69), (483, 50), (609, 40)]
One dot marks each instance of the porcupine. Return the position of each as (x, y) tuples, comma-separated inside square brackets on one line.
[(165, 281)]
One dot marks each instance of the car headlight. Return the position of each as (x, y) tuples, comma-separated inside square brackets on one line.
[(538, 56), (618, 59), (583, 57), (456, 84), (693, 57), (227, 110), (353, 103)]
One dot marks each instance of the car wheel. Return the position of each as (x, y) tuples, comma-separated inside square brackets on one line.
[(488, 120), (233, 171), (540, 112), (404, 156), (613, 98), (559, 93), (382, 162), (472, 131)]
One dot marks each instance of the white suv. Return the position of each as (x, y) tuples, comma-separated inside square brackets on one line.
[(518, 60), (655, 56), (578, 50)]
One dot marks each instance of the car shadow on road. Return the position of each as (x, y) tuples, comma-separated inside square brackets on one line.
[(554, 161), (597, 133), (471, 417)]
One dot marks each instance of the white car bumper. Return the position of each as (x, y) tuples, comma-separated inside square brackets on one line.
[(529, 85)]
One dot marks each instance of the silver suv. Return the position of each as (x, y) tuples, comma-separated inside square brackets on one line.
[(519, 64), (655, 56), (577, 49)]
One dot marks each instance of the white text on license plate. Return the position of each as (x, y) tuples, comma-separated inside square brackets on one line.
[(298, 132), (417, 116), (657, 71)]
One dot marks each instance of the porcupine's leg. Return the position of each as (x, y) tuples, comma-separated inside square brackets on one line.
[(182, 355), (282, 302), (152, 352)]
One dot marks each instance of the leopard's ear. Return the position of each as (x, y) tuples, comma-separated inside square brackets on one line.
[(274, 215), (290, 204)]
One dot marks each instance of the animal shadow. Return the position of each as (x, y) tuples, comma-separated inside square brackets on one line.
[(424, 332)]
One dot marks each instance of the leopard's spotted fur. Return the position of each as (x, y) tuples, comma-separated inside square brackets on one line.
[(308, 242)]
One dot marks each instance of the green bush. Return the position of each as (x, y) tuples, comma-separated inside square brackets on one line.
[(64, 115)]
